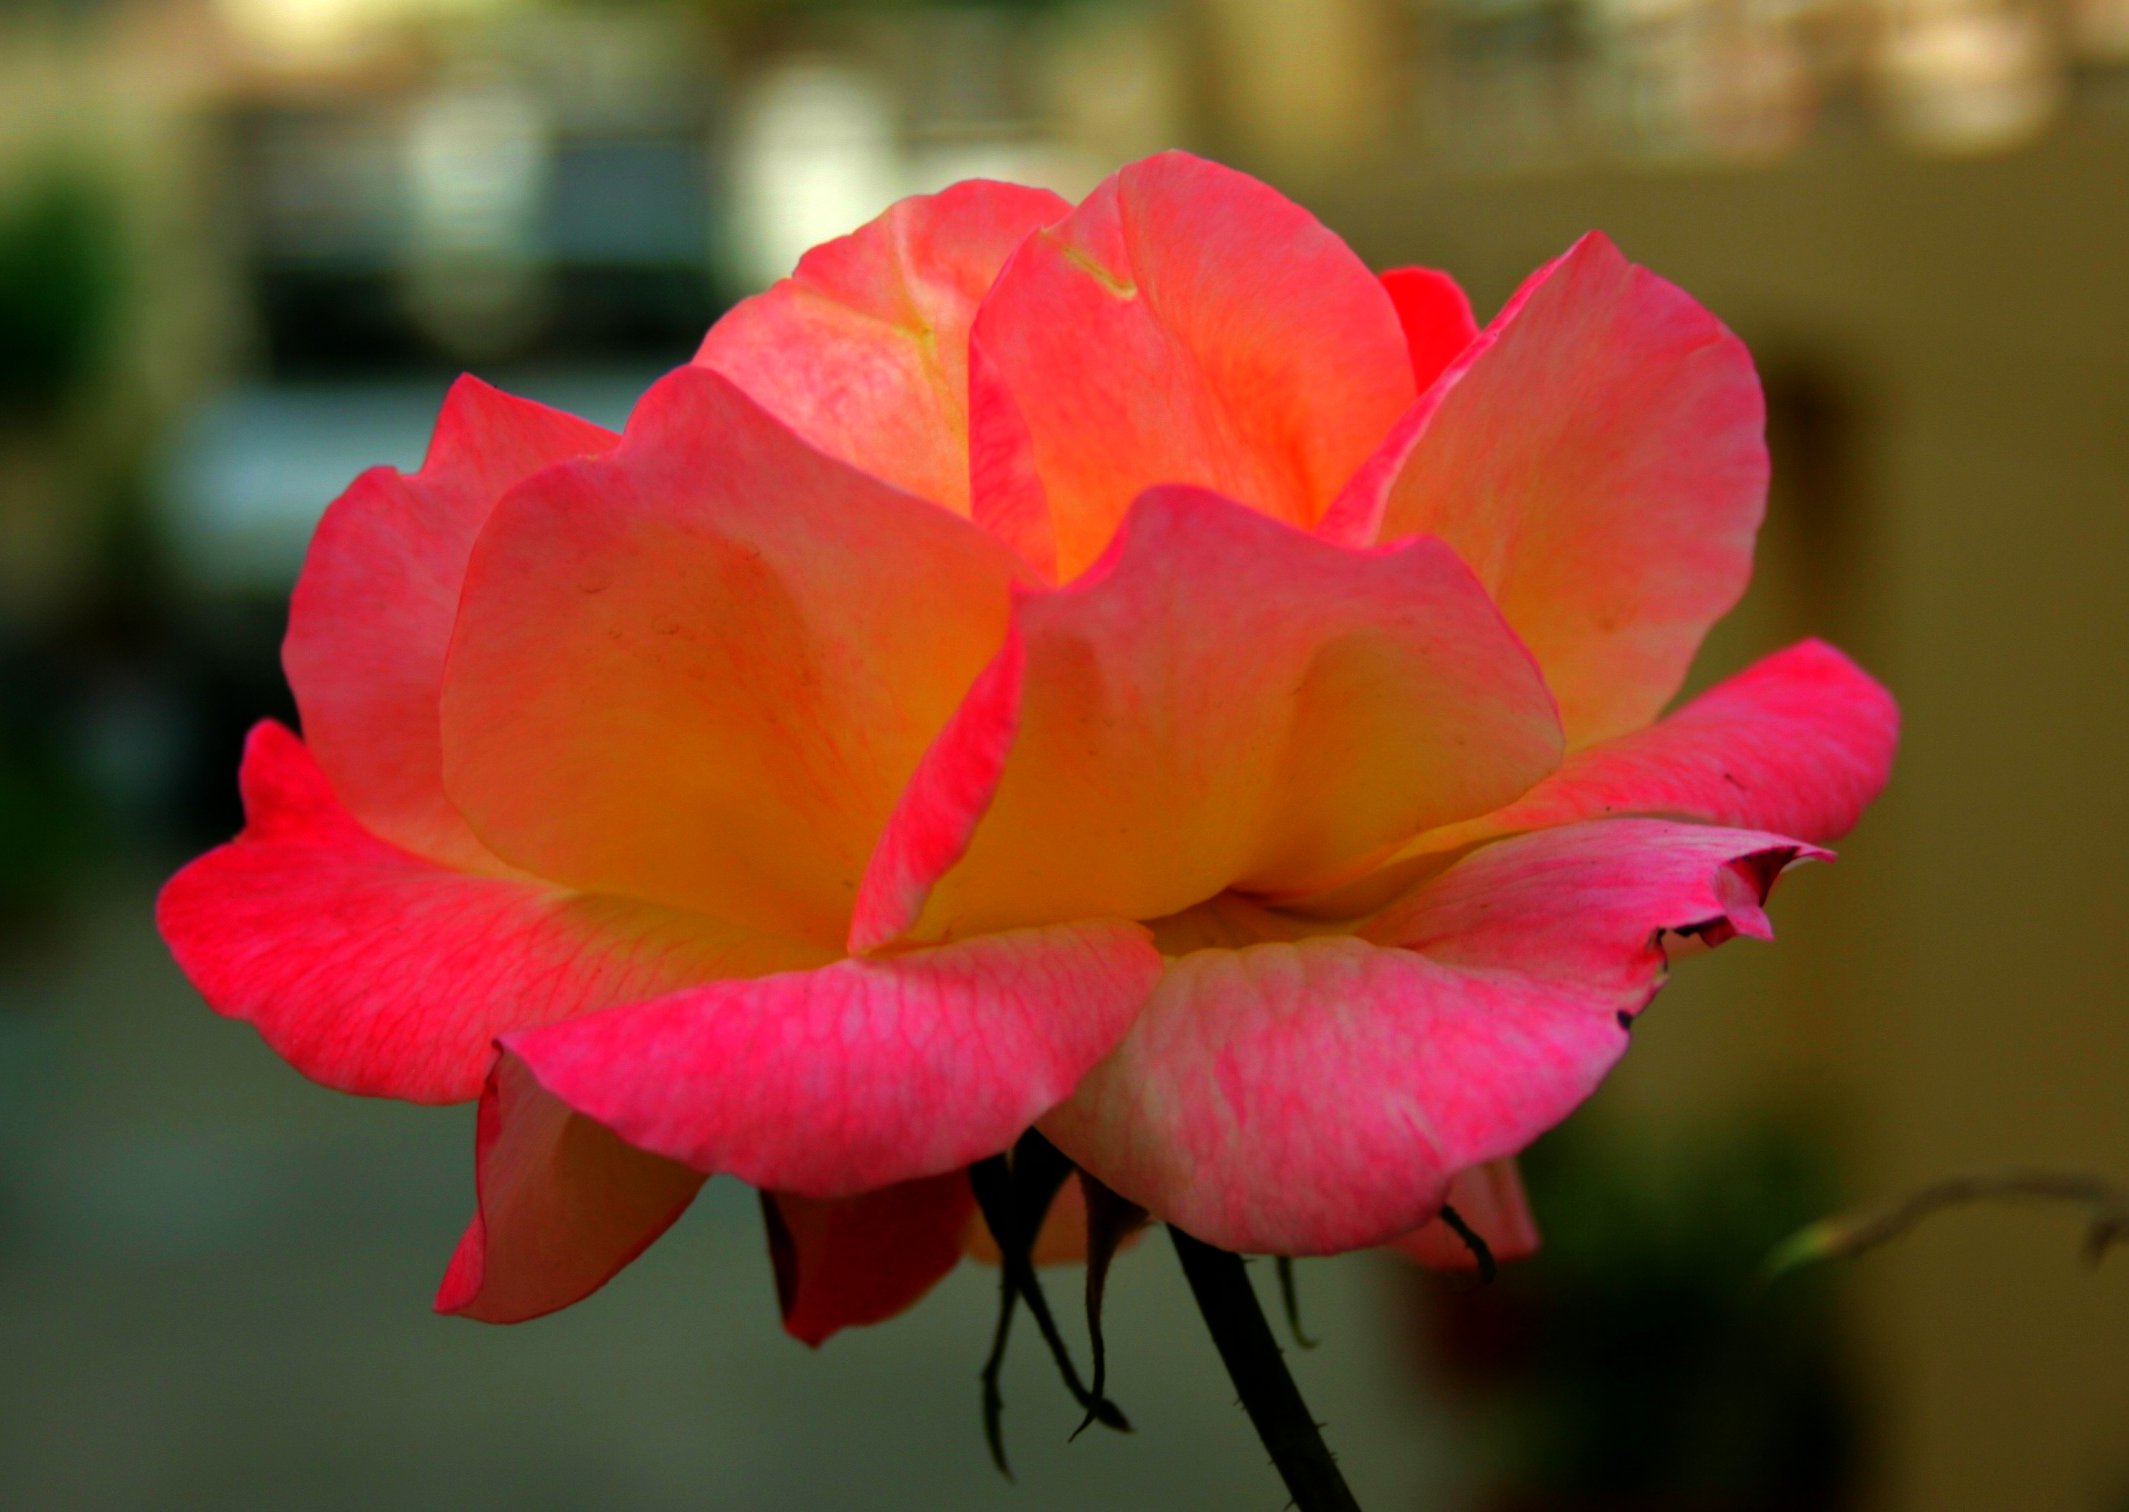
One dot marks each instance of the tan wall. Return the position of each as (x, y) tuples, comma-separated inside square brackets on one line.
[(1956, 984)]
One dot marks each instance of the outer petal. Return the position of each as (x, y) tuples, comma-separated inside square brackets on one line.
[(564, 1205), (700, 671), (1490, 1198), (864, 349), (1598, 458), (861, 1074), (848, 1261), (1315, 1097), (1186, 324), (1224, 702), (373, 970), (372, 613), (1799, 743), (1436, 317)]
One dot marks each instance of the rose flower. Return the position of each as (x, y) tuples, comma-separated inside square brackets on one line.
[(1124, 670)]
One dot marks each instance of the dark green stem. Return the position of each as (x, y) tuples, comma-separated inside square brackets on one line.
[(1229, 1304)]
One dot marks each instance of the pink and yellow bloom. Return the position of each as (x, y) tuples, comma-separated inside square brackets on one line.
[(1123, 669)]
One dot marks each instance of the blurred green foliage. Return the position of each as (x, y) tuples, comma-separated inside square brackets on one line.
[(62, 265), (46, 812), (1638, 1361), (62, 289), (763, 13)]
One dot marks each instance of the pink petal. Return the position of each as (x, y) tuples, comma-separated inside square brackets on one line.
[(564, 1205), (699, 671), (372, 613), (1436, 317), (864, 349), (1318, 1096), (861, 1074), (1598, 458), (377, 971), (1488, 1197), (1185, 324), (1594, 884), (1799, 743), (1222, 702), (847, 1261)]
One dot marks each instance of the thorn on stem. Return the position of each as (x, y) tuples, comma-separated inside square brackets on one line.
[(1221, 1285)]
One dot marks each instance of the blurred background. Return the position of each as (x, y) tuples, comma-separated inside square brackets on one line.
[(244, 245)]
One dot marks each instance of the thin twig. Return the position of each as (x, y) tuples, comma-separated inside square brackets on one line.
[(1852, 1234)]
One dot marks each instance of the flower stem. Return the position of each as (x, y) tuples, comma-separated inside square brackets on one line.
[(1259, 1372)]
